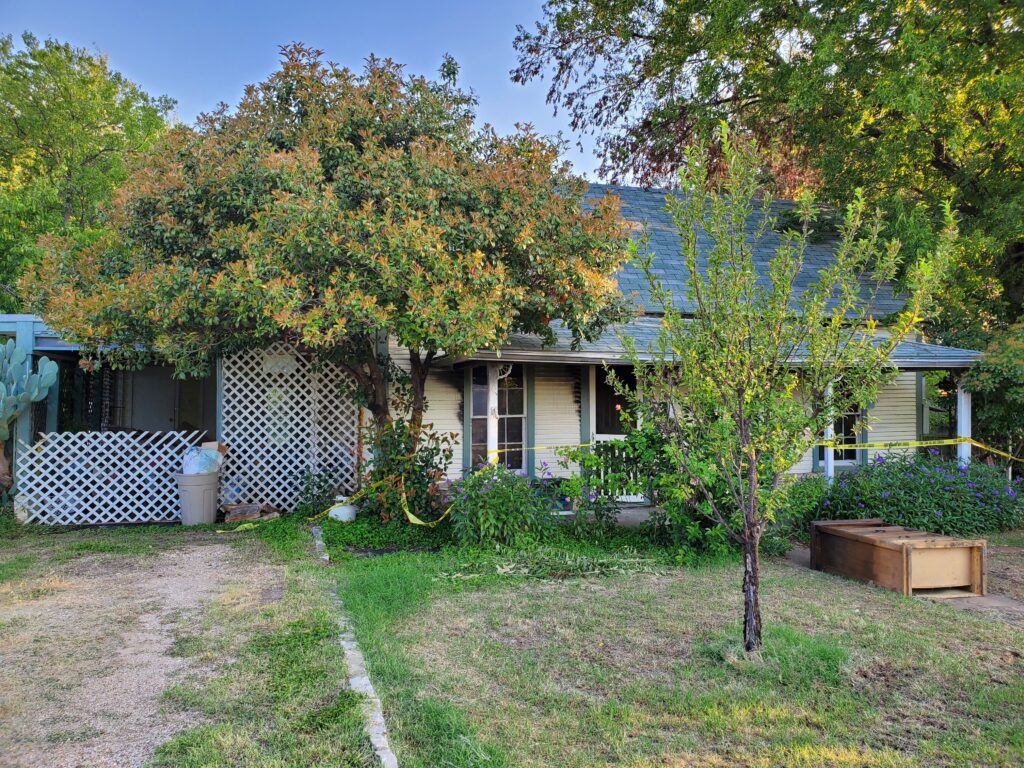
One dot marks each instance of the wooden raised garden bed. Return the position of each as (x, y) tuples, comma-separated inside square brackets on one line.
[(898, 558)]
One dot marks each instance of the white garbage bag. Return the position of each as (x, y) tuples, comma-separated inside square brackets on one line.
[(201, 461)]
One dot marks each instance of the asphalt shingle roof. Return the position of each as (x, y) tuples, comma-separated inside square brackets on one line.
[(646, 207)]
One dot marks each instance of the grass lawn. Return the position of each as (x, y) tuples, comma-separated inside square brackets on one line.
[(257, 677), (489, 661)]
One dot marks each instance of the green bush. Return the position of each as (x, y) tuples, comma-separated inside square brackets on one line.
[(316, 492), (803, 503), (496, 506), (404, 462), (924, 491)]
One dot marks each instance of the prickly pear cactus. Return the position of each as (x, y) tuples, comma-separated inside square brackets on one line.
[(19, 386)]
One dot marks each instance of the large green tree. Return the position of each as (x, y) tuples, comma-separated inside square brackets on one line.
[(915, 102), (68, 126), (337, 210)]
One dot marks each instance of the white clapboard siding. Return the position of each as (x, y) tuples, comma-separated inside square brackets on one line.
[(90, 478), (893, 417), (557, 417), (894, 414), (283, 413), (443, 392), (444, 410)]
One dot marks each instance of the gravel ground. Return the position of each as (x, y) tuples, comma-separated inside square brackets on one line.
[(86, 652)]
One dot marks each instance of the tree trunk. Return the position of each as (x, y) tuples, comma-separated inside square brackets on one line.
[(751, 587), (377, 394), (419, 368), (6, 479)]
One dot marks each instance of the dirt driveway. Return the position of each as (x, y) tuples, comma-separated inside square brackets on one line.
[(87, 633)]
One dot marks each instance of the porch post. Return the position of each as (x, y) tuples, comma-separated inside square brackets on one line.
[(25, 337), (963, 424), (492, 413), (830, 434)]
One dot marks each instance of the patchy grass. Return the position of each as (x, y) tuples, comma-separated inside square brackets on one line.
[(480, 665), (274, 686), (1006, 538), (15, 567), (245, 635)]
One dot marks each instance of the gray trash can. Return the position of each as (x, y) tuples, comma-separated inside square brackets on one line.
[(198, 498)]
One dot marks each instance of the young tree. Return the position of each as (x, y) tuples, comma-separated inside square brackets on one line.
[(338, 210), (751, 366), (68, 126)]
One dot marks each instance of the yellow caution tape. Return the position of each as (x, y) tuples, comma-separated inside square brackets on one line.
[(415, 520), (887, 445), (919, 444)]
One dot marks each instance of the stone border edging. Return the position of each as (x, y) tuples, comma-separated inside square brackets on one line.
[(358, 677)]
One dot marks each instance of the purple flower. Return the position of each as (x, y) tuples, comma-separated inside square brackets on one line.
[(978, 495), (827, 503), (1010, 492), (860, 504), (933, 451), (972, 485), (879, 458), (938, 513), (885, 494)]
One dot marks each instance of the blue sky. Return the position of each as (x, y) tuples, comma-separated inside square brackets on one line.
[(201, 53)]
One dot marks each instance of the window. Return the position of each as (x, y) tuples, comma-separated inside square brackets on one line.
[(511, 416), (608, 404), (846, 434)]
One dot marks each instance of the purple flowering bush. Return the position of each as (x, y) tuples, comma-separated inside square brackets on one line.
[(923, 491), (495, 506)]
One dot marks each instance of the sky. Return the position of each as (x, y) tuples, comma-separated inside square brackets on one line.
[(202, 53)]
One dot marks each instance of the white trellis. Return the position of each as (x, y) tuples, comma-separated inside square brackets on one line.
[(79, 478), (282, 413)]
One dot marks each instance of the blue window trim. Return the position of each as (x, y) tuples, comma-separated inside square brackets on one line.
[(531, 422), (862, 454)]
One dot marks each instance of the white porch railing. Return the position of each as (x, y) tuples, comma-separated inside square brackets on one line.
[(618, 474), (88, 478)]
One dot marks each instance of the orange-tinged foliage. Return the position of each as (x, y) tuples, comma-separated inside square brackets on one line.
[(331, 208)]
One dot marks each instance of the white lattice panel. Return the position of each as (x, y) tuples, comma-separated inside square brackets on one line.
[(86, 478), (283, 413)]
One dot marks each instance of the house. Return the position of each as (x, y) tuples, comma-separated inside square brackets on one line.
[(281, 414)]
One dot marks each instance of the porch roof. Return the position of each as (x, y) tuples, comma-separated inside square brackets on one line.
[(608, 349)]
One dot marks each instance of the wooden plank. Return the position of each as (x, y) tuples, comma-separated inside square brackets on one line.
[(860, 560), (940, 568)]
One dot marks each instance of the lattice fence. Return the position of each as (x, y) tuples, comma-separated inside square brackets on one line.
[(78, 478), (283, 413)]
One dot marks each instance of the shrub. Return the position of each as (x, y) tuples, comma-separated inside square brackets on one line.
[(924, 492), (402, 462), (802, 504), (316, 492), (496, 506), (594, 512)]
